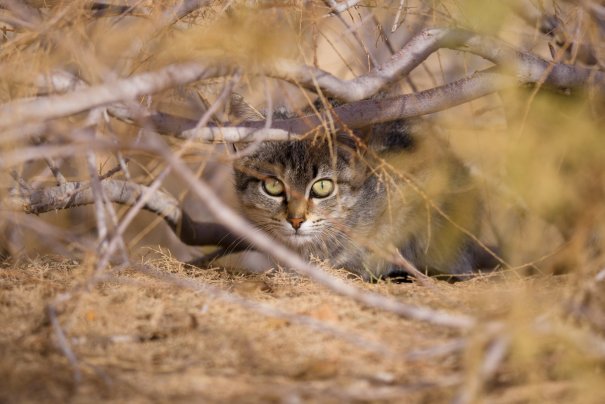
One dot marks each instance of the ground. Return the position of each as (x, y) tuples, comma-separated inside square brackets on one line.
[(140, 338)]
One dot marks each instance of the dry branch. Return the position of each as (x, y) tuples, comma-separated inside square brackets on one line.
[(354, 115), (129, 89), (525, 66), (72, 194), (63, 343), (28, 16), (234, 134), (367, 112), (342, 6), (551, 25), (184, 8)]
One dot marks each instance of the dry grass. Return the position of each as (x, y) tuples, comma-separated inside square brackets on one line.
[(139, 339)]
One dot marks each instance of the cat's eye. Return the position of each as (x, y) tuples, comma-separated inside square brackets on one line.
[(273, 186), (322, 188)]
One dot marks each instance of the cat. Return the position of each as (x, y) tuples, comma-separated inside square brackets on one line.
[(351, 200)]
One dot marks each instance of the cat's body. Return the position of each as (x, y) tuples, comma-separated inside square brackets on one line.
[(354, 206)]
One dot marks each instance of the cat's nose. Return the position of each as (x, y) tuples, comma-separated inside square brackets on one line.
[(296, 222)]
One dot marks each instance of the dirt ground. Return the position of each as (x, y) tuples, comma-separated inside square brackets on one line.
[(212, 336)]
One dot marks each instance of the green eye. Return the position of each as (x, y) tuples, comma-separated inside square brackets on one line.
[(322, 188), (273, 186)]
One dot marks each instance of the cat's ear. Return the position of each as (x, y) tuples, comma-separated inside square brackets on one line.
[(393, 136), (238, 147), (354, 141), (240, 110)]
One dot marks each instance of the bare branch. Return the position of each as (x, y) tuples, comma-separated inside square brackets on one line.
[(368, 112), (551, 25), (72, 194), (528, 68), (185, 129), (396, 21), (184, 8), (28, 111), (105, 8), (98, 200), (63, 343), (54, 169), (215, 134), (353, 115), (342, 6), (22, 11)]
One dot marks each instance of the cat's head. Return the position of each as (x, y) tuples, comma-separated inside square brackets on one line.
[(305, 193)]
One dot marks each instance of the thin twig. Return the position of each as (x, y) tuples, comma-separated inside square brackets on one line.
[(64, 343), (396, 20)]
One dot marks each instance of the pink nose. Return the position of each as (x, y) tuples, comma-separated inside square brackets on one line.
[(296, 222)]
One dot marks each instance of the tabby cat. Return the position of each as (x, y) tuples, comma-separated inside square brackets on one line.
[(352, 203)]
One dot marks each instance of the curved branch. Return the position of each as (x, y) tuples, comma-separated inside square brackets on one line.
[(525, 66), (72, 194), (416, 51), (353, 115), (56, 106), (367, 112)]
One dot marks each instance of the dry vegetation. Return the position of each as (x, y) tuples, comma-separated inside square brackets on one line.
[(126, 106), (140, 337)]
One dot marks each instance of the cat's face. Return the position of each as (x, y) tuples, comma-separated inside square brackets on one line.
[(309, 195)]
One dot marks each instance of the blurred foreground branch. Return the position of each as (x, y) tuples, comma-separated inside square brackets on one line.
[(521, 68)]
